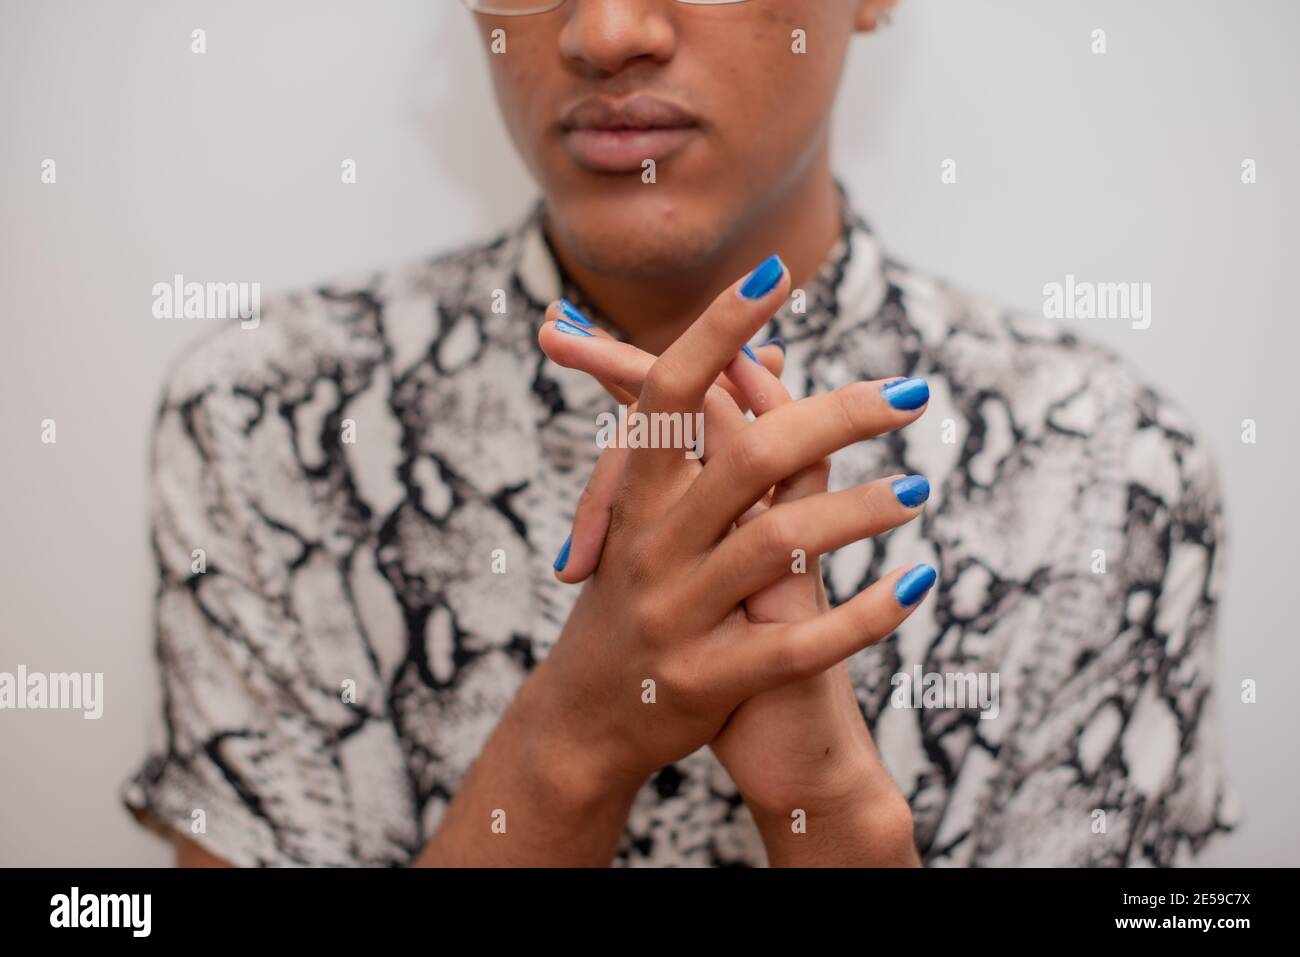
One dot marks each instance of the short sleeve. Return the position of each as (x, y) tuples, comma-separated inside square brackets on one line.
[(1169, 740), (252, 763), (1128, 771)]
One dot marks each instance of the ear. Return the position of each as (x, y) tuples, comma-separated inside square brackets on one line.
[(871, 14)]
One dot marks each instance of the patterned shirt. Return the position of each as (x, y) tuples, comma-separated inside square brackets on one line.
[(357, 503)]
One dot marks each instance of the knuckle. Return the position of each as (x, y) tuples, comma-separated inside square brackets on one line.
[(777, 532), (879, 507), (749, 454), (853, 408), (865, 626), (662, 383), (682, 675), (720, 392), (795, 658), (719, 396), (653, 619)]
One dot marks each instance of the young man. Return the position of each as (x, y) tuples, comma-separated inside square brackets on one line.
[(379, 663)]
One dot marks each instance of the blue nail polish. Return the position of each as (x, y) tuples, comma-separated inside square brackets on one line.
[(763, 279), (907, 394), (574, 314), (570, 328), (562, 559), (779, 343), (912, 587), (913, 490), (750, 352)]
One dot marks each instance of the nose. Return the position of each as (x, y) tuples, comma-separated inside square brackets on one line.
[(603, 37)]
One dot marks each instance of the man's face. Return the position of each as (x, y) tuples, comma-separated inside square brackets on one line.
[(717, 96)]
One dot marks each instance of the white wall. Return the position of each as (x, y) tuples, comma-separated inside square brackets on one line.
[(1116, 167)]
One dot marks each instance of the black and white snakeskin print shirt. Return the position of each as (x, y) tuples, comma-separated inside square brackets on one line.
[(358, 469)]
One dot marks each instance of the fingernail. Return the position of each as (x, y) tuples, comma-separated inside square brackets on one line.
[(763, 279), (574, 314), (912, 587), (570, 328), (779, 343), (750, 352), (562, 559), (913, 490), (907, 394)]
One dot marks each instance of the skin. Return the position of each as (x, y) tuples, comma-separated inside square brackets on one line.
[(686, 565), (669, 603), (755, 179), (803, 743)]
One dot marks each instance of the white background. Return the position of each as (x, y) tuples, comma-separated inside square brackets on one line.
[(1120, 167)]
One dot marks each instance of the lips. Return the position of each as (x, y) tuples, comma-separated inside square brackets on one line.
[(618, 136)]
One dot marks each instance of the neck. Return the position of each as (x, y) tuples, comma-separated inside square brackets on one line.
[(802, 225)]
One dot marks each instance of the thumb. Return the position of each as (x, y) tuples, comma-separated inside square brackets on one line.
[(581, 551)]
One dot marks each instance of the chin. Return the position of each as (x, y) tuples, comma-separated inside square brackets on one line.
[(637, 231)]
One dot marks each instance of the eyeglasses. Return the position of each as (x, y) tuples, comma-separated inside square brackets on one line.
[(524, 8)]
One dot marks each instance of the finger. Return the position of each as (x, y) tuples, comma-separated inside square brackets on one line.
[(623, 368), (761, 393), (581, 551), (619, 366), (561, 337), (758, 385), (779, 654), (785, 440), (679, 379), (771, 359), (771, 356), (764, 550), (689, 366), (793, 580), (572, 315)]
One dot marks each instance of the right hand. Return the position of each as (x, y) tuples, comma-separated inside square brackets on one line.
[(667, 602)]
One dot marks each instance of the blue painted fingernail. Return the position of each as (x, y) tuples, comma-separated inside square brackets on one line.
[(913, 490), (562, 559), (750, 352), (907, 394), (912, 587), (763, 279), (574, 314), (779, 343), (570, 328)]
